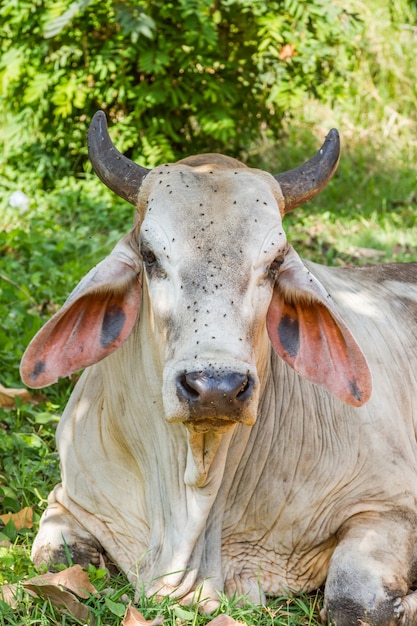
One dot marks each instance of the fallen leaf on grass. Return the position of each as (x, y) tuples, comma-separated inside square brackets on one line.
[(133, 617), (117, 608), (51, 586), (184, 615), (62, 600), (226, 620), (12, 594), (73, 578), (8, 395), (22, 519)]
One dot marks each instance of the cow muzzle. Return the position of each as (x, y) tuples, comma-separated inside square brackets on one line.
[(213, 399), (210, 397)]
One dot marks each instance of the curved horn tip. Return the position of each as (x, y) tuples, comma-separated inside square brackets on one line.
[(98, 123), (101, 113), (333, 134), (303, 183), (99, 117), (115, 170)]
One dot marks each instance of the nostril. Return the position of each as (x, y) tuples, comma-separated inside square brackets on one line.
[(246, 389), (186, 387)]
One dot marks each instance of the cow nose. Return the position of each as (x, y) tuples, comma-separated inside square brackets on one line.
[(222, 393)]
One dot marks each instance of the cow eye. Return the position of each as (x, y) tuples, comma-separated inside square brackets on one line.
[(148, 257), (274, 267)]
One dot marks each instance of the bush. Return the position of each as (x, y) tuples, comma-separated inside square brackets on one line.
[(174, 76)]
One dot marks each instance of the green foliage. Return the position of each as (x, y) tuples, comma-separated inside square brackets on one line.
[(368, 213), (108, 606), (45, 250), (384, 94), (27, 463), (174, 77)]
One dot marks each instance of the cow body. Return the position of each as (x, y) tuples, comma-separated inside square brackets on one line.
[(228, 443)]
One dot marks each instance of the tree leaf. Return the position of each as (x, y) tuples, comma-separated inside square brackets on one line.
[(62, 600), (134, 618), (50, 586), (11, 594), (183, 614), (74, 579), (54, 27), (22, 519), (117, 608), (8, 395), (226, 620)]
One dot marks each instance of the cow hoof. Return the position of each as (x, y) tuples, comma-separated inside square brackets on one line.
[(52, 556), (62, 540), (349, 613)]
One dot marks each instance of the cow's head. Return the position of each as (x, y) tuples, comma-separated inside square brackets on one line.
[(209, 261)]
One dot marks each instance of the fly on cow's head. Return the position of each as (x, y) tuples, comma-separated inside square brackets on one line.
[(210, 265)]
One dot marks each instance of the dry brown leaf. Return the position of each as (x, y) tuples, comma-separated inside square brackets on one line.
[(12, 594), (133, 617), (7, 397), (226, 620), (73, 578), (61, 600), (22, 519), (50, 586)]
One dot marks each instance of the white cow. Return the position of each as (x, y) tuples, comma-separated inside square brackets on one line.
[(224, 436)]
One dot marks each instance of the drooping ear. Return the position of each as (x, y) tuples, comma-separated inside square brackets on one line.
[(95, 320), (306, 330)]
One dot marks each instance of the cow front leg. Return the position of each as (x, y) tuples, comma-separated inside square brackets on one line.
[(63, 540), (370, 572)]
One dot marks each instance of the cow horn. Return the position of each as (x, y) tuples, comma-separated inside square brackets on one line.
[(117, 172), (305, 182)]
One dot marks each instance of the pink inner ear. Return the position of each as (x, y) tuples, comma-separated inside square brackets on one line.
[(83, 332), (318, 345)]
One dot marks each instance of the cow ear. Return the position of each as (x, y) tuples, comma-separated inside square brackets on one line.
[(307, 332), (95, 320)]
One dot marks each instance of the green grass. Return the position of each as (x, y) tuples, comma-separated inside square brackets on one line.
[(367, 214), (108, 607)]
